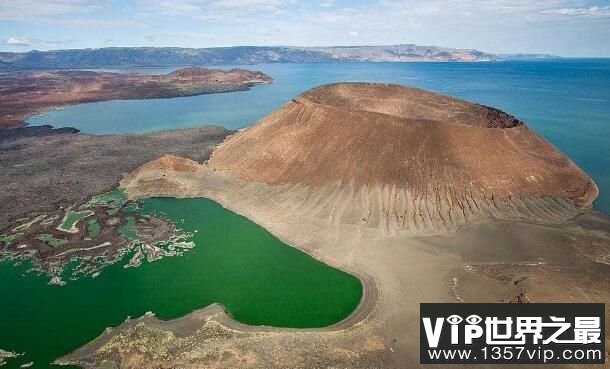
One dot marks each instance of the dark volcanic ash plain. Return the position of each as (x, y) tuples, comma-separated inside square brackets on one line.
[(42, 169)]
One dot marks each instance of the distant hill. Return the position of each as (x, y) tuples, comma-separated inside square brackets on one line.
[(175, 56)]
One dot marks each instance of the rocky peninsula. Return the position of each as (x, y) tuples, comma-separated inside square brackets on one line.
[(29, 92)]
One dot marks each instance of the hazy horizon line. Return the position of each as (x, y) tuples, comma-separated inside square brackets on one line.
[(282, 45), (312, 46)]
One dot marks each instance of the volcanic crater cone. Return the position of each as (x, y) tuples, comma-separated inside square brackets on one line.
[(402, 159)]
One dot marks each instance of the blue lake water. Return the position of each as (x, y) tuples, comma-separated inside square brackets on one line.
[(566, 101)]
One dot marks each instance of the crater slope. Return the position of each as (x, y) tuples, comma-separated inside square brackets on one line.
[(399, 158)]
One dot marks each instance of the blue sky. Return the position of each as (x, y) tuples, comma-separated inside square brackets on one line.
[(563, 27)]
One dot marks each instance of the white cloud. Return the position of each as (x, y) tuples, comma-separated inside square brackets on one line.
[(173, 7), (18, 41), (35, 9), (198, 8), (25, 41), (333, 17), (590, 11), (217, 10), (97, 23), (252, 5), (78, 13), (489, 25)]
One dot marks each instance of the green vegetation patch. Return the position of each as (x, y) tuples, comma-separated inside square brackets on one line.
[(72, 218), (49, 220), (128, 230), (93, 228), (28, 224), (114, 199), (112, 211), (131, 207), (51, 241), (8, 239)]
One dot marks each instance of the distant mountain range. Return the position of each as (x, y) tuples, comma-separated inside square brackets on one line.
[(175, 56)]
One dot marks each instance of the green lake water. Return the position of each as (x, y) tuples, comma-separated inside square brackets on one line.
[(259, 280)]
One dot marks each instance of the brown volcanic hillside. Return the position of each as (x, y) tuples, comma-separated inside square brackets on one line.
[(410, 103), (405, 158)]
